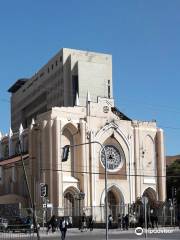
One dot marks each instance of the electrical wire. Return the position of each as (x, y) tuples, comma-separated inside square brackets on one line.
[(114, 174)]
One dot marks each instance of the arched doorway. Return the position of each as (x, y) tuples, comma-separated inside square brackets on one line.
[(115, 201), (151, 195), (112, 204), (71, 204)]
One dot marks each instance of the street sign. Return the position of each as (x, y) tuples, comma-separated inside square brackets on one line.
[(44, 190), (49, 205)]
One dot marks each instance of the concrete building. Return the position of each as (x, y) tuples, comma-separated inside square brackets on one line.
[(66, 77), (135, 149)]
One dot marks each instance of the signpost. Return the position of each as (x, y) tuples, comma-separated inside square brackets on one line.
[(44, 195), (44, 190), (145, 202)]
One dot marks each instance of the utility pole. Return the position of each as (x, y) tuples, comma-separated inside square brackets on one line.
[(29, 193), (65, 157)]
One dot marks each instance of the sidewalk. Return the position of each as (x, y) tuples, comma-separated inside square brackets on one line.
[(76, 231)]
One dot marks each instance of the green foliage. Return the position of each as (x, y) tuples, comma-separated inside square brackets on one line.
[(173, 180)]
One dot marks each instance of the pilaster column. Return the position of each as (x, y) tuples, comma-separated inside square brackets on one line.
[(137, 162), (83, 168), (57, 192), (161, 167), (50, 160), (93, 170)]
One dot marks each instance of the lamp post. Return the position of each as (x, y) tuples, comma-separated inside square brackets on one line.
[(80, 196), (145, 202), (29, 193), (64, 158)]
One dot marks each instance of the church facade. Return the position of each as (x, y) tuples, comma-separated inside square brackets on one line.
[(59, 114), (134, 150)]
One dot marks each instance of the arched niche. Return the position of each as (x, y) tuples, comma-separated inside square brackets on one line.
[(71, 202), (112, 134), (151, 194), (115, 201), (69, 137), (149, 159)]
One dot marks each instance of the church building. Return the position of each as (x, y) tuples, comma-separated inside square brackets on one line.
[(70, 102)]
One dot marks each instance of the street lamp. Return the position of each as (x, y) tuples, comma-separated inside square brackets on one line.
[(29, 193), (80, 196), (65, 154), (145, 202)]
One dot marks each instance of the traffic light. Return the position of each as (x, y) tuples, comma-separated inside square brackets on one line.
[(175, 191), (44, 190), (65, 153)]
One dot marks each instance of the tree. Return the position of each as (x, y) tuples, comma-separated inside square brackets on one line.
[(173, 181)]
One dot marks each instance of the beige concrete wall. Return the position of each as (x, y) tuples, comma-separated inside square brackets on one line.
[(52, 85), (139, 141)]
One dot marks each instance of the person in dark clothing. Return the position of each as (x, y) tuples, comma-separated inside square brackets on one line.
[(178, 219), (63, 228), (83, 222), (123, 222), (52, 223), (119, 221), (152, 221), (126, 220), (141, 221), (91, 223), (156, 221), (110, 220)]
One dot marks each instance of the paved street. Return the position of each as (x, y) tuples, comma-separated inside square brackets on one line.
[(115, 234), (97, 234)]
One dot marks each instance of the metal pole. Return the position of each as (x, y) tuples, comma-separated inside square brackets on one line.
[(46, 211), (106, 193), (29, 193), (145, 216), (106, 189), (80, 224)]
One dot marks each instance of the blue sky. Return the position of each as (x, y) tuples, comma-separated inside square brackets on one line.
[(142, 36)]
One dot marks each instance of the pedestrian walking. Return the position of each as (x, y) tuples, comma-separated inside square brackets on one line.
[(91, 223), (123, 222), (126, 219), (178, 219), (156, 221), (52, 223), (110, 220), (119, 221), (83, 223), (63, 227)]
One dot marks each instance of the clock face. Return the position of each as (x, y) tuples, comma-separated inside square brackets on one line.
[(114, 159)]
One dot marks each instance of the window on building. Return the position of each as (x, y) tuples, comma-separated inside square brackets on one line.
[(109, 89), (75, 86)]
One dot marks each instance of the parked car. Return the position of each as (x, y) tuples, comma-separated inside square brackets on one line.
[(3, 224), (20, 224)]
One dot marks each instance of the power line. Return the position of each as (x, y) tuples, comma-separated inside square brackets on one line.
[(113, 174)]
